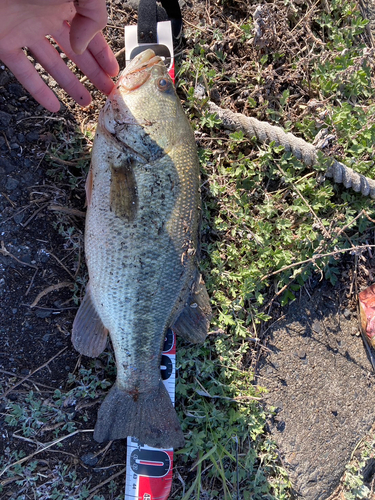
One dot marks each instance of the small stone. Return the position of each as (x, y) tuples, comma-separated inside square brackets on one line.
[(42, 256), (9, 132), (317, 327), (11, 184), (199, 91), (89, 459), (16, 89), (354, 331), (4, 78), (43, 313), (28, 178), (14, 195), (32, 136), (5, 119), (7, 165), (346, 313)]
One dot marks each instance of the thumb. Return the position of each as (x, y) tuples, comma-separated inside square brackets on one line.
[(90, 18)]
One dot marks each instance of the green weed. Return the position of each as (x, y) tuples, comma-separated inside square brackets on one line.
[(269, 224)]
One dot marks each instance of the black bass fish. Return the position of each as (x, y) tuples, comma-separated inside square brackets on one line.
[(141, 245)]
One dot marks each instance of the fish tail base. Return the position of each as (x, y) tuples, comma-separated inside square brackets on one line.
[(148, 416)]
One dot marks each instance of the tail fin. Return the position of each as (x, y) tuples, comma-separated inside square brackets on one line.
[(147, 416)]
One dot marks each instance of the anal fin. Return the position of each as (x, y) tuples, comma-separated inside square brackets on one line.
[(194, 321), (89, 336)]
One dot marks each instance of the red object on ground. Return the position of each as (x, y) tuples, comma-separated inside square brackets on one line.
[(367, 310)]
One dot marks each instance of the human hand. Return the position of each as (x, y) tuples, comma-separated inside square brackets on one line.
[(25, 23)]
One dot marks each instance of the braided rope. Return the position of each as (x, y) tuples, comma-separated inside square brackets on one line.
[(301, 149)]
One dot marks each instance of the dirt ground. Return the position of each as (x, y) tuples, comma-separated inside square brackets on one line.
[(321, 383), (317, 370)]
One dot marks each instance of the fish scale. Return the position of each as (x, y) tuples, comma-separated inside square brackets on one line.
[(141, 243)]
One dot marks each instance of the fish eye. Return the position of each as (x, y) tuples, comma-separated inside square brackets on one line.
[(163, 84)]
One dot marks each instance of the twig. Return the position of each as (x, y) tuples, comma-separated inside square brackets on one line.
[(318, 221), (54, 309), (6, 140), (103, 451), (203, 392), (316, 257), (62, 265), (308, 13), (109, 479), (282, 290), (65, 162), (31, 283), (9, 200), (44, 449), (17, 213), (39, 383), (362, 212), (67, 210), (49, 289), (28, 440), (107, 467), (5, 252), (43, 118), (32, 373), (9, 480), (34, 214)]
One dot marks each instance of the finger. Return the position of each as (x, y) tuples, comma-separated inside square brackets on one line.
[(51, 61), (101, 51), (91, 17), (86, 62), (27, 75)]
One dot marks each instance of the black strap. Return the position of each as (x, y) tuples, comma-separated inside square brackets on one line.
[(172, 8), (150, 13)]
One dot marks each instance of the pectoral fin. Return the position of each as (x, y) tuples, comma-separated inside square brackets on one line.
[(88, 186), (193, 322), (89, 336)]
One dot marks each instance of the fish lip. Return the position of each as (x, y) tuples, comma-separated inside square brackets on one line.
[(137, 72), (142, 61)]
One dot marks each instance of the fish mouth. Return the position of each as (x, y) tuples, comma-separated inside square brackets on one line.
[(137, 72)]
